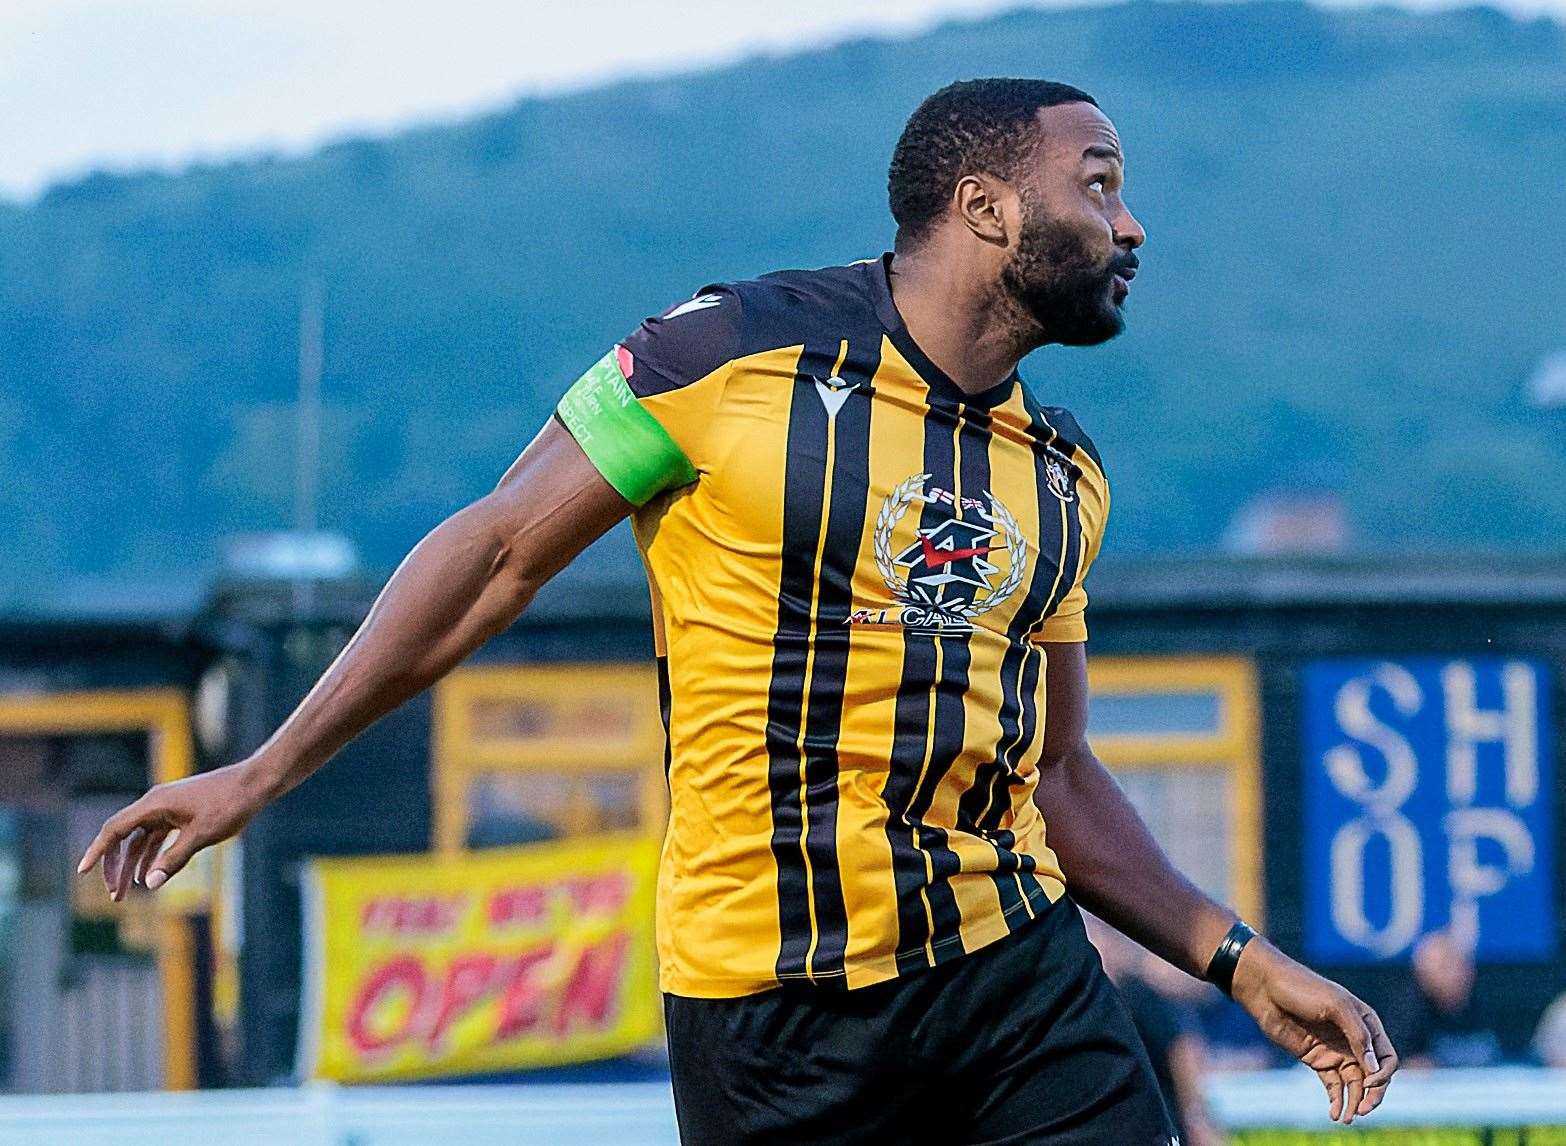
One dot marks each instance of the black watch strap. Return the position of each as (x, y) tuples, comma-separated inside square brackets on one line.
[(1220, 969)]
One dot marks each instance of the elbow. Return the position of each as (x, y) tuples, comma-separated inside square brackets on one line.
[(511, 578), (1057, 755), (514, 579)]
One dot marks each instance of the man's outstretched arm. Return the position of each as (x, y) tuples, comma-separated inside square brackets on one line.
[(465, 582), (1117, 871)]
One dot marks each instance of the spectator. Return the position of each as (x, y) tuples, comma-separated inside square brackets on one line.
[(1435, 1022), (1167, 1023), (1549, 1040)]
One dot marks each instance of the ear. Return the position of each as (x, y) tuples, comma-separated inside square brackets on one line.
[(988, 207)]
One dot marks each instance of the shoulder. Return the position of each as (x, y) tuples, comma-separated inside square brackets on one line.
[(796, 307), (1069, 431), (725, 321), (684, 344), (782, 296)]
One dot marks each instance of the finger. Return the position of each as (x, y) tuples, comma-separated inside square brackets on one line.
[(1386, 1056), (1350, 1019), (113, 864), (174, 857), (129, 855), (111, 860), (114, 829), (1376, 1088), (155, 841), (1334, 1084), (1354, 1093), (1374, 1093)]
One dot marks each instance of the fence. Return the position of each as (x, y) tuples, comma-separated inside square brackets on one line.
[(1501, 1107)]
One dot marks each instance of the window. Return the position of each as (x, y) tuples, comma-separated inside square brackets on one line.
[(1182, 736), (541, 752)]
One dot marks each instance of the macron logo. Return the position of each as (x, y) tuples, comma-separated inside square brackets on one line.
[(834, 392), (700, 302)]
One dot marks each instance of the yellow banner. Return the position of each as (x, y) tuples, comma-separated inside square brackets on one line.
[(428, 966)]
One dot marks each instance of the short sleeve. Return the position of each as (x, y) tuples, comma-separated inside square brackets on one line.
[(1069, 622), (643, 412)]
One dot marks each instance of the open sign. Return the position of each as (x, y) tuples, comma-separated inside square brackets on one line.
[(501, 960)]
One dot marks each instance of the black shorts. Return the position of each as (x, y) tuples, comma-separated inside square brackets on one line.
[(1024, 1041)]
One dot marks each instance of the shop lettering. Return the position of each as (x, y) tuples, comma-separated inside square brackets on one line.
[(1382, 789), (413, 914), (583, 896)]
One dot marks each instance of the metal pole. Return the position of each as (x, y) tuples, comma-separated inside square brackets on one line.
[(307, 467)]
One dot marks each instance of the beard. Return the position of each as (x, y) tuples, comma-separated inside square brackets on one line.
[(1057, 281)]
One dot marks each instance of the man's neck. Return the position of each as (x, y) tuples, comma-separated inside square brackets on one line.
[(961, 319)]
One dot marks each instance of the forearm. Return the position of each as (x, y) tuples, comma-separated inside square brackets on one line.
[(1116, 869), (458, 587)]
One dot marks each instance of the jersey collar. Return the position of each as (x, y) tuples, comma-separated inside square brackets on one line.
[(942, 388)]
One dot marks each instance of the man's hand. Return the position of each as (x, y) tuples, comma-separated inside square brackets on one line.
[(198, 811), (1318, 1022)]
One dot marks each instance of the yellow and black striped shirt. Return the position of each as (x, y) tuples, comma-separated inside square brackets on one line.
[(853, 567)]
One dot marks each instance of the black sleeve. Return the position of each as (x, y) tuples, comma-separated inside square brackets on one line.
[(684, 344)]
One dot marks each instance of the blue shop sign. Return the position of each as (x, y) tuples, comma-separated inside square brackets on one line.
[(1428, 805)]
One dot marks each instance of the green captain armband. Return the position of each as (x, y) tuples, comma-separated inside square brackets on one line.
[(633, 452)]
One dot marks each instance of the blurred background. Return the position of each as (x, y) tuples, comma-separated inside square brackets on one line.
[(282, 285)]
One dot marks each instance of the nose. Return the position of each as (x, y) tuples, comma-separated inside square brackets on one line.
[(1128, 232)]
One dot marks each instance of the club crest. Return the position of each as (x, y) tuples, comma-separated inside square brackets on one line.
[(1059, 479), (946, 567)]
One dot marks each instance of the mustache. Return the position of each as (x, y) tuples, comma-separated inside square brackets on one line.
[(1120, 264)]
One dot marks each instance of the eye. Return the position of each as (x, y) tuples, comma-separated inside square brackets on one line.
[(1097, 185)]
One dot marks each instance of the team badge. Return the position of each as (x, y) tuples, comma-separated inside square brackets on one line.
[(950, 566), (1059, 478)]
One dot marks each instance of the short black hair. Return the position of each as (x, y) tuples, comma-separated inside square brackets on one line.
[(972, 125)]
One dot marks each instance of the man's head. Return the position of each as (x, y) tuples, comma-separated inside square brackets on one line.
[(1022, 178), (1444, 970)]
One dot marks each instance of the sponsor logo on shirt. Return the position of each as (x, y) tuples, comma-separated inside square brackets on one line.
[(953, 564), (834, 392), (700, 302)]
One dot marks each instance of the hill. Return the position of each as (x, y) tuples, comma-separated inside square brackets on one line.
[(1355, 228)]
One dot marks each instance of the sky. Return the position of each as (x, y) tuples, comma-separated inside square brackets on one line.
[(125, 84)]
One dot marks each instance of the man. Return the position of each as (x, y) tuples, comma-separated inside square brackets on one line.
[(866, 544), (1434, 1013)]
